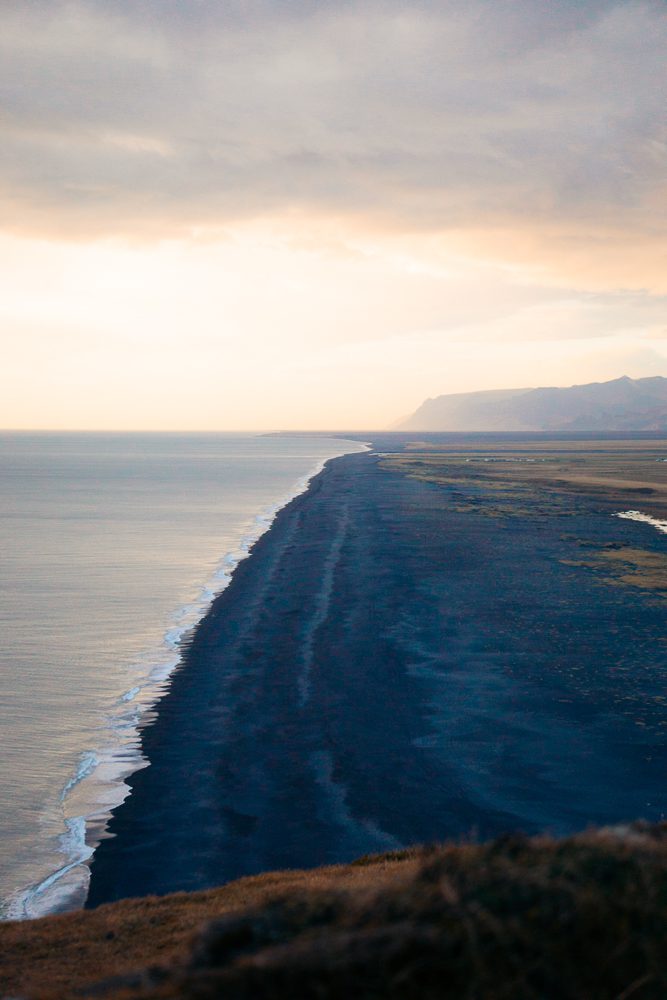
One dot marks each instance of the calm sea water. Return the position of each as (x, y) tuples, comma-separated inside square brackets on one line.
[(112, 547)]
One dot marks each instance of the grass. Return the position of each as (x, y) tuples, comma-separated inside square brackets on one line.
[(584, 918)]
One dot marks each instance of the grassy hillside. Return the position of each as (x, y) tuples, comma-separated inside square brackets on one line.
[(584, 917)]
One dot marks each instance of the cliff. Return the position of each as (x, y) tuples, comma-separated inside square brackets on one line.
[(516, 918), (623, 404)]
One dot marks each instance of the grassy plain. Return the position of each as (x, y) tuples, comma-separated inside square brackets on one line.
[(529, 478)]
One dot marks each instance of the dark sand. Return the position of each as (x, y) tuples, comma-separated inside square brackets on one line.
[(405, 657)]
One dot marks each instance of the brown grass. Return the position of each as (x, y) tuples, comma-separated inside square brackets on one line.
[(583, 918), (60, 954), (629, 567), (628, 474)]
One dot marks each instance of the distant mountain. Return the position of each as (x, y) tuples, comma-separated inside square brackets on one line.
[(624, 404)]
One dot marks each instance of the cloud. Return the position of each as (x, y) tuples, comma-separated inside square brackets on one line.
[(160, 117)]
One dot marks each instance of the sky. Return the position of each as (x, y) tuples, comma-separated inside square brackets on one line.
[(250, 215)]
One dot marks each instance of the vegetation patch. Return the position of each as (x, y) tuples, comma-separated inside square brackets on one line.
[(515, 919)]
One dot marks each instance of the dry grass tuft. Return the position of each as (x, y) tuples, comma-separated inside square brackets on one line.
[(516, 919)]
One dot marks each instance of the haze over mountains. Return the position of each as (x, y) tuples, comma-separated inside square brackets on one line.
[(623, 404)]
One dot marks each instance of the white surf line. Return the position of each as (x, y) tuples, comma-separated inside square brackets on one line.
[(71, 879), (55, 893), (636, 515)]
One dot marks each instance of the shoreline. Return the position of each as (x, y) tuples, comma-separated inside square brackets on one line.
[(66, 888), (390, 667), (153, 716)]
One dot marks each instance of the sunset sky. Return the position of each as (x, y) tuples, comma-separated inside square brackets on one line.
[(253, 215)]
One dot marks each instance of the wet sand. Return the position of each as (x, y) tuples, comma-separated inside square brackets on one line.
[(410, 654)]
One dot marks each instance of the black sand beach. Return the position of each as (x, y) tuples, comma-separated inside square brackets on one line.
[(403, 660)]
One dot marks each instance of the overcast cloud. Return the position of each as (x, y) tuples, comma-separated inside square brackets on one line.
[(246, 214), (130, 116)]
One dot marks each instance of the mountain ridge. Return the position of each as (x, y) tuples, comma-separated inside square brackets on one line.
[(622, 404)]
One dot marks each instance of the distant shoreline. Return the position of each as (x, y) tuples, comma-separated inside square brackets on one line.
[(395, 664)]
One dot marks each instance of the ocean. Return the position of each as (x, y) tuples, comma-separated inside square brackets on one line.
[(113, 546)]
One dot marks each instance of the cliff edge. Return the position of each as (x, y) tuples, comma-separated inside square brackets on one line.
[(515, 918)]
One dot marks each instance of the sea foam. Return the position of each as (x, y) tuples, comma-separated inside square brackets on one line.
[(107, 767), (636, 515)]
